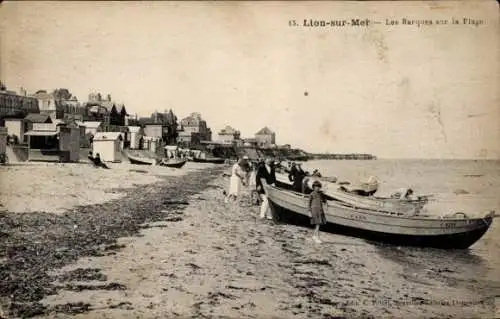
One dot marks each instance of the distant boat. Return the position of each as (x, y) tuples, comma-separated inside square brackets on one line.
[(174, 163), (211, 160), (455, 232), (140, 160)]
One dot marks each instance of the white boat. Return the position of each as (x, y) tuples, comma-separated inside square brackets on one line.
[(455, 232), (139, 160), (383, 204)]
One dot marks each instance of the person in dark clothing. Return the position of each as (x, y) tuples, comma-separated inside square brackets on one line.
[(317, 201), (291, 172), (267, 172), (98, 162), (296, 176)]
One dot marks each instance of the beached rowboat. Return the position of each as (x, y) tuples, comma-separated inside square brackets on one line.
[(383, 204), (455, 232), (139, 160), (174, 163)]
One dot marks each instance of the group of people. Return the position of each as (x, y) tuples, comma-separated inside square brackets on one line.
[(247, 173)]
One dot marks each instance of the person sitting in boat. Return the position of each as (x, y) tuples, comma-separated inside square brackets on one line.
[(316, 173), (404, 193), (317, 200)]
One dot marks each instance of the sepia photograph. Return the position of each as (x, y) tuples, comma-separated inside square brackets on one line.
[(249, 159)]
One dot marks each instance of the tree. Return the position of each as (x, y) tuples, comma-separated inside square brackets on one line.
[(123, 114), (113, 116), (62, 94)]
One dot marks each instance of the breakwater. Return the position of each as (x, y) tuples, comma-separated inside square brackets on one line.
[(342, 156)]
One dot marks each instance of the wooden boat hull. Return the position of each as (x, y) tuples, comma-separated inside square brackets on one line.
[(141, 160), (423, 231), (173, 163), (209, 160), (378, 203), (407, 207)]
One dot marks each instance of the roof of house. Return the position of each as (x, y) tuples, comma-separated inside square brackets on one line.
[(194, 118), (264, 131), (228, 130), (37, 117), (43, 95), (91, 124), (12, 119), (58, 121), (107, 136), (147, 121), (41, 133), (109, 105)]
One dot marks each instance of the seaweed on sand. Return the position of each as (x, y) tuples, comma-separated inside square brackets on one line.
[(34, 243)]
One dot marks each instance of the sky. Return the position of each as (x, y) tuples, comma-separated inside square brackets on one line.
[(393, 91)]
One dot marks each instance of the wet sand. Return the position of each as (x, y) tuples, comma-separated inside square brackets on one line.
[(182, 252)]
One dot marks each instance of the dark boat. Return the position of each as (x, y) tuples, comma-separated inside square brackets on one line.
[(211, 160), (174, 163), (457, 231)]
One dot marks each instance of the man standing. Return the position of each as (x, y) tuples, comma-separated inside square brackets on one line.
[(266, 172), (297, 176)]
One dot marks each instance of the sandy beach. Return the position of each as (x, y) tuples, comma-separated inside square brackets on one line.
[(57, 187), (174, 249)]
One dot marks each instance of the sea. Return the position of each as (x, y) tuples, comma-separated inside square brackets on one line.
[(468, 186)]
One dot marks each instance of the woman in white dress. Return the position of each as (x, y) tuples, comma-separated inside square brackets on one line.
[(237, 180)]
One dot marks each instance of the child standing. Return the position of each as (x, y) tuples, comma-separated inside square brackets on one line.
[(316, 201)]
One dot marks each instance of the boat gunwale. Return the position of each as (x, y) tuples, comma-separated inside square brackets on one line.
[(337, 204), (396, 201)]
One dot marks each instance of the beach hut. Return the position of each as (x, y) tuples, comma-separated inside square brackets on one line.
[(15, 127), (69, 142), (108, 145), (136, 132)]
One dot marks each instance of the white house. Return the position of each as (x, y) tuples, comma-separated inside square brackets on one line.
[(109, 145)]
